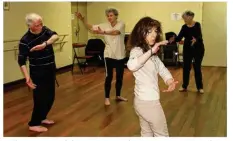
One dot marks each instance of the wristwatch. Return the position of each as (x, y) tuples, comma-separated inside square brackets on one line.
[(45, 43)]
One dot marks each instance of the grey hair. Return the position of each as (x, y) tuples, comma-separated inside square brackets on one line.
[(113, 10), (188, 13), (31, 17)]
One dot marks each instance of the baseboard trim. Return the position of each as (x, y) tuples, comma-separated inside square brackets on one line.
[(21, 82)]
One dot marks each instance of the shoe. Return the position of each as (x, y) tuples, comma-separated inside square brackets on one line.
[(201, 91), (182, 89)]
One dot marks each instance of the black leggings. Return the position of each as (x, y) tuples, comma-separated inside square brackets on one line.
[(43, 95), (109, 65), (196, 57)]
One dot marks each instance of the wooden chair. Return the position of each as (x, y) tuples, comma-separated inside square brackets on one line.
[(81, 65)]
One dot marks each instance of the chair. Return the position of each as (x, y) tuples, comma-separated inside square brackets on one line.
[(95, 48), (170, 51), (180, 54), (81, 65)]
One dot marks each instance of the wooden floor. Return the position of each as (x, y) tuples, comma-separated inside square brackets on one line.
[(79, 107)]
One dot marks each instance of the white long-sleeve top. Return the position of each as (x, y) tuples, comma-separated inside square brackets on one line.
[(146, 75)]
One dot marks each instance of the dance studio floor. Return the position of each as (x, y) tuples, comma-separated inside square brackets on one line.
[(79, 109)]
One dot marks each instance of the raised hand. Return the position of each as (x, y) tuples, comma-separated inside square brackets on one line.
[(79, 15), (98, 31), (155, 48)]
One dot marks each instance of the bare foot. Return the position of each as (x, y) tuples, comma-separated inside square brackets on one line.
[(47, 121), (107, 102), (119, 98), (38, 128)]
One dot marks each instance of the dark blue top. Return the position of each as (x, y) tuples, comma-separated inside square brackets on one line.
[(40, 58), (189, 32)]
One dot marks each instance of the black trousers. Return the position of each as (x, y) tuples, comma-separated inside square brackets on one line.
[(109, 65), (44, 94), (195, 55)]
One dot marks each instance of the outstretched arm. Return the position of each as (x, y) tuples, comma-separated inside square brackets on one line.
[(80, 17), (179, 37), (137, 58), (53, 38)]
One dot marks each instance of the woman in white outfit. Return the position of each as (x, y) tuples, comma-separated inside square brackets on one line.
[(114, 52), (146, 65)]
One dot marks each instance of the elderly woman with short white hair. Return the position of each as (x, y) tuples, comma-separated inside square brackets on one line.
[(114, 53), (193, 50)]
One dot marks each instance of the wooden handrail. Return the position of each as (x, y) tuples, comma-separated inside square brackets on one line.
[(8, 41), (16, 40)]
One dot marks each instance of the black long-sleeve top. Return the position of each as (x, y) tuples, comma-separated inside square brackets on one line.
[(40, 58), (188, 33)]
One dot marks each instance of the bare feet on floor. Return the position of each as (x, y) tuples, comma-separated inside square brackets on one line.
[(120, 98), (107, 102), (47, 121), (38, 128)]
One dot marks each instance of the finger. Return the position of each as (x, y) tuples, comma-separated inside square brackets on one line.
[(34, 84), (165, 42), (33, 87), (166, 90), (78, 14), (33, 49), (172, 88), (30, 85)]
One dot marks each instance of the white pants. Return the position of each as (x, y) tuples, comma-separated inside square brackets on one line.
[(152, 119)]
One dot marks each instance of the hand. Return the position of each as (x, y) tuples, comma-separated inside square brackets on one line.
[(172, 39), (193, 41), (171, 85), (38, 47), (155, 48), (79, 16), (98, 31), (30, 83)]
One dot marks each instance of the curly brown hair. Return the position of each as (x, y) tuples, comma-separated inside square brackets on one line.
[(140, 31)]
